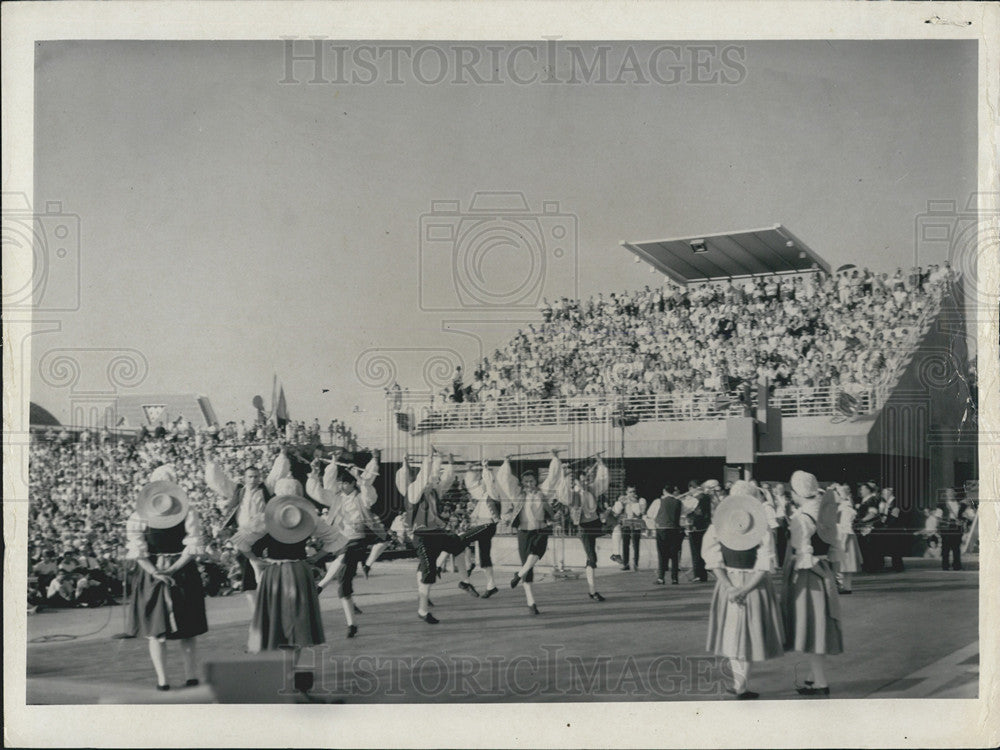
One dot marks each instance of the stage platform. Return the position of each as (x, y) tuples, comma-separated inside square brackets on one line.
[(908, 635)]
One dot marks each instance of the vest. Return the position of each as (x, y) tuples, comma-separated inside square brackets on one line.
[(233, 509), (421, 515), (819, 546), (669, 514), (165, 541), (276, 550), (744, 559), (951, 523)]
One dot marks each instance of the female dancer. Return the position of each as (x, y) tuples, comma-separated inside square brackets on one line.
[(287, 607), (744, 622), (163, 536), (809, 599), (850, 552)]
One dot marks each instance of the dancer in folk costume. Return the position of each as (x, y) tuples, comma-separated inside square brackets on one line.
[(744, 622), (663, 518), (348, 494), (850, 553), (164, 536), (287, 610), (430, 534), (242, 504), (530, 512), (810, 603), (579, 493), (630, 509), (481, 485)]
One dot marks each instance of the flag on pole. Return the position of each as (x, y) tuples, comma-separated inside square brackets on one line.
[(281, 417)]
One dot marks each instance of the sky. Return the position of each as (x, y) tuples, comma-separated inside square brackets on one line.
[(234, 227)]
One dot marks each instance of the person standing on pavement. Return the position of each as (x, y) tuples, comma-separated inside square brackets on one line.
[(664, 518), (630, 509), (699, 520)]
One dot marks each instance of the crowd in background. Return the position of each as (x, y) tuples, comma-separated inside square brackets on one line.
[(83, 485), (809, 330)]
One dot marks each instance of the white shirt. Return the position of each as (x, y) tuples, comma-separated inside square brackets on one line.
[(251, 511)]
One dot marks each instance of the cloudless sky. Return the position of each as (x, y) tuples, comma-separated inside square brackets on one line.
[(233, 227)]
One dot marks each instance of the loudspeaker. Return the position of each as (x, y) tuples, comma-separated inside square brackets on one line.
[(741, 433)]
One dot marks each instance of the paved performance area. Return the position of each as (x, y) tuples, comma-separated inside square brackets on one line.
[(907, 635)]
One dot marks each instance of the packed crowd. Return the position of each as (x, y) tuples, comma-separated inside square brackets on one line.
[(82, 486), (806, 330)]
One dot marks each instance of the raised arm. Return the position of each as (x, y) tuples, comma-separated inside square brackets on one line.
[(445, 477), (420, 482), (507, 486), (602, 479), (550, 487), (217, 479), (281, 468), (317, 491)]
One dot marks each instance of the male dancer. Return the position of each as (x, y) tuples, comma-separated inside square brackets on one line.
[(532, 516), (430, 535), (242, 505), (485, 516), (583, 491), (664, 517), (349, 513)]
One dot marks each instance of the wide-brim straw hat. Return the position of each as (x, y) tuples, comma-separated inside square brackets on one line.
[(740, 522), (289, 518), (162, 504)]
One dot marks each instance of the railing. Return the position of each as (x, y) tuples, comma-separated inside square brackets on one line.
[(827, 401)]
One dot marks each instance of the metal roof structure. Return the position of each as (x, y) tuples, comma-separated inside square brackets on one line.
[(729, 255)]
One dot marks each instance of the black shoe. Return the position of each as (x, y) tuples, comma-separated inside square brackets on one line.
[(468, 587), (162, 687), (674, 581), (357, 610), (533, 609), (428, 618), (515, 580), (748, 695), (440, 572), (597, 597), (319, 590), (660, 582), (845, 592), (471, 568), (616, 558), (430, 603), (625, 566), (491, 592), (352, 630), (808, 690), (193, 682), (366, 569)]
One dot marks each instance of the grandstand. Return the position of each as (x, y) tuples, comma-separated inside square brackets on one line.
[(866, 374)]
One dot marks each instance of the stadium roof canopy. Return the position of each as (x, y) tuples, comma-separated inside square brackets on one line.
[(729, 255)]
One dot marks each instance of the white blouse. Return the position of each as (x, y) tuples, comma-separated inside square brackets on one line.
[(135, 537)]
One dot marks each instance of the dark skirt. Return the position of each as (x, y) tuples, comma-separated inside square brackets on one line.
[(156, 610), (287, 609)]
